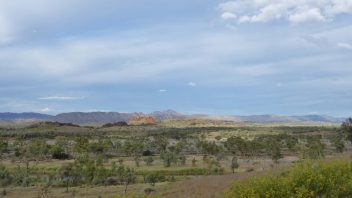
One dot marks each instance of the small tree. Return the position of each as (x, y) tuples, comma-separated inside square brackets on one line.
[(137, 159), (57, 151), (194, 161), (315, 149), (121, 162), (182, 160), (234, 164), (338, 143), (81, 144), (169, 158), (347, 128), (274, 149), (67, 175), (291, 142), (154, 177), (149, 160), (129, 177), (214, 167), (3, 147)]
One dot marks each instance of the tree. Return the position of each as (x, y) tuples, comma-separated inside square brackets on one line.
[(347, 128), (32, 151), (291, 142), (214, 167), (100, 147), (315, 149), (194, 161), (154, 177), (209, 148), (149, 160), (81, 144), (234, 164), (59, 150), (230, 145), (3, 147), (169, 158), (68, 175), (129, 178), (338, 143), (180, 146), (38, 149), (245, 148), (182, 160), (274, 149), (136, 159), (134, 147), (161, 143)]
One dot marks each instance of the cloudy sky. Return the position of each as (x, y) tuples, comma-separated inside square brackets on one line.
[(199, 56)]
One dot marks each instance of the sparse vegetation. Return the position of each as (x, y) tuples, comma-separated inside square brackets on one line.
[(45, 157)]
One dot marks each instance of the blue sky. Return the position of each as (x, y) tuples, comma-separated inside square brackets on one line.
[(220, 57)]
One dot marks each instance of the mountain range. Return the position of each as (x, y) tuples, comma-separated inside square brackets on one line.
[(110, 117)]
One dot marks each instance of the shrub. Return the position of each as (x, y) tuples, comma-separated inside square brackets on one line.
[(155, 177), (149, 160), (147, 153), (5, 176), (306, 179)]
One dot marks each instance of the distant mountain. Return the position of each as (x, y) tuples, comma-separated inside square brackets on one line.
[(273, 118), (167, 115), (319, 118), (94, 117), (23, 116), (113, 117)]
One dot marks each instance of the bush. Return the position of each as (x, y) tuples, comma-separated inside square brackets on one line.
[(5, 176), (149, 160), (154, 177), (306, 179), (147, 153)]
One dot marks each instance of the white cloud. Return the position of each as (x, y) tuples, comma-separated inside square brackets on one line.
[(295, 11), (311, 15), (346, 46), (60, 98), (228, 15), (6, 30), (46, 109), (192, 84), (162, 90)]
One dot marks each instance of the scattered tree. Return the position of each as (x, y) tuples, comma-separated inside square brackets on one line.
[(234, 164)]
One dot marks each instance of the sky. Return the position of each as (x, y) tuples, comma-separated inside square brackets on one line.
[(288, 57)]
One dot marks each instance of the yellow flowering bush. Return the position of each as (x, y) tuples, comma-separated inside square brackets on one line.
[(305, 179)]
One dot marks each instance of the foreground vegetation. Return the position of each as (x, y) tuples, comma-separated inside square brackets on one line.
[(307, 179), (144, 160)]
